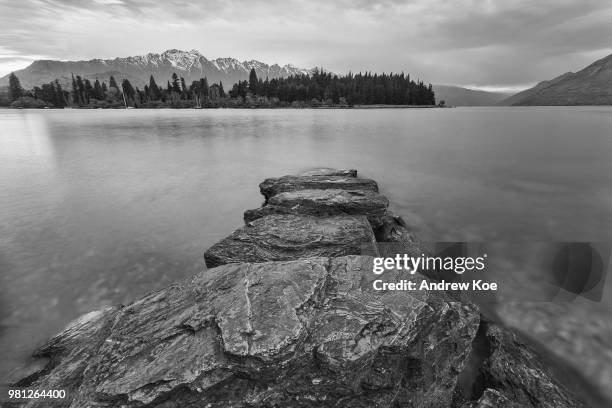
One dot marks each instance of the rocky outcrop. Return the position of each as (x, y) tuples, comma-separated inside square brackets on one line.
[(324, 202), (504, 371), (285, 237), (310, 332), (287, 316), (273, 186), (577, 333), (514, 369)]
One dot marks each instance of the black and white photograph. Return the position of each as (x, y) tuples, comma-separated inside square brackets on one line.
[(291, 203)]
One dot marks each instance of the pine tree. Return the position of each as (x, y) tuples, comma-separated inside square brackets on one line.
[(112, 83), (204, 88), (15, 90), (89, 90), (81, 90), (45, 93), (75, 92), (253, 81), (98, 94), (128, 90), (176, 86), (154, 92), (141, 96), (59, 102), (221, 91), (184, 91)]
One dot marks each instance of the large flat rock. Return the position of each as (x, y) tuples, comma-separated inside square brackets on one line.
[(273, 186), (288, 237), (305, 333), (323, 203)]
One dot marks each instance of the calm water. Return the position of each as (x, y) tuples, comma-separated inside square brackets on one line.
[(99, 207)]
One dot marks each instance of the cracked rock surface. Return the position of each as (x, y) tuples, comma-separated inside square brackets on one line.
[(516, 371), (273, 186), (492, 399), (324, 202), (310, 332), (284, 237), (578, 333)]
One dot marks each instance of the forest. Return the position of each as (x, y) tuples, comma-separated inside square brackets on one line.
[(317, 89)]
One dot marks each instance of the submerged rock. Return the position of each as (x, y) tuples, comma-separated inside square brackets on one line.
[(273, 186), (326, 171), (516, 371), (286, 237), (324, 202), (577, 333), (308, 333)]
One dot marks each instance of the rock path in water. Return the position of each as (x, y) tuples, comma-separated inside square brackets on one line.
[(286, 316)]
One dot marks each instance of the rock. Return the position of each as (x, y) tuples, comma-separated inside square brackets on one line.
[(326, 171), (492, 399), (273, 186), (305, 333), (393, 229), (287, 237), (66, 357), (518, 372), (324, 202), (578, 334), (394, 237)]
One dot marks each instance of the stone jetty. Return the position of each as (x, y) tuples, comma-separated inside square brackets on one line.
[(286, 316)]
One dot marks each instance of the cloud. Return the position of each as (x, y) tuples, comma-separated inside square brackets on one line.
[(11, 61), (482, 42)]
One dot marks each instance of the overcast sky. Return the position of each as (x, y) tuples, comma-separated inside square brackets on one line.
[(483, 43)]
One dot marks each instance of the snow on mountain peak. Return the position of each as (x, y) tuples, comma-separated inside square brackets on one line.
[(193, 60), (191, 65), (184, 60)]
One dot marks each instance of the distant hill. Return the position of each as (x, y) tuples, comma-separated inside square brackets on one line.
[(590, 86), (189, 64), (458, 96)]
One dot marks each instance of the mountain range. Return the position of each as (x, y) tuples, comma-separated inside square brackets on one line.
[(190, 65), (459, 96), (589, 86)]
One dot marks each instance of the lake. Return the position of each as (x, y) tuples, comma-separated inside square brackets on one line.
[(101, 206)]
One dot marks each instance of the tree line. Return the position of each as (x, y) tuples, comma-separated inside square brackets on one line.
[(352, 89), (318, 88), (176, 93)]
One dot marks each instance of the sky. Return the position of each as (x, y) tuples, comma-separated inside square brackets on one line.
[(488, 44)]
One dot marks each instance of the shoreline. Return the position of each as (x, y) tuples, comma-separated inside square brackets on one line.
[(244, 107)]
